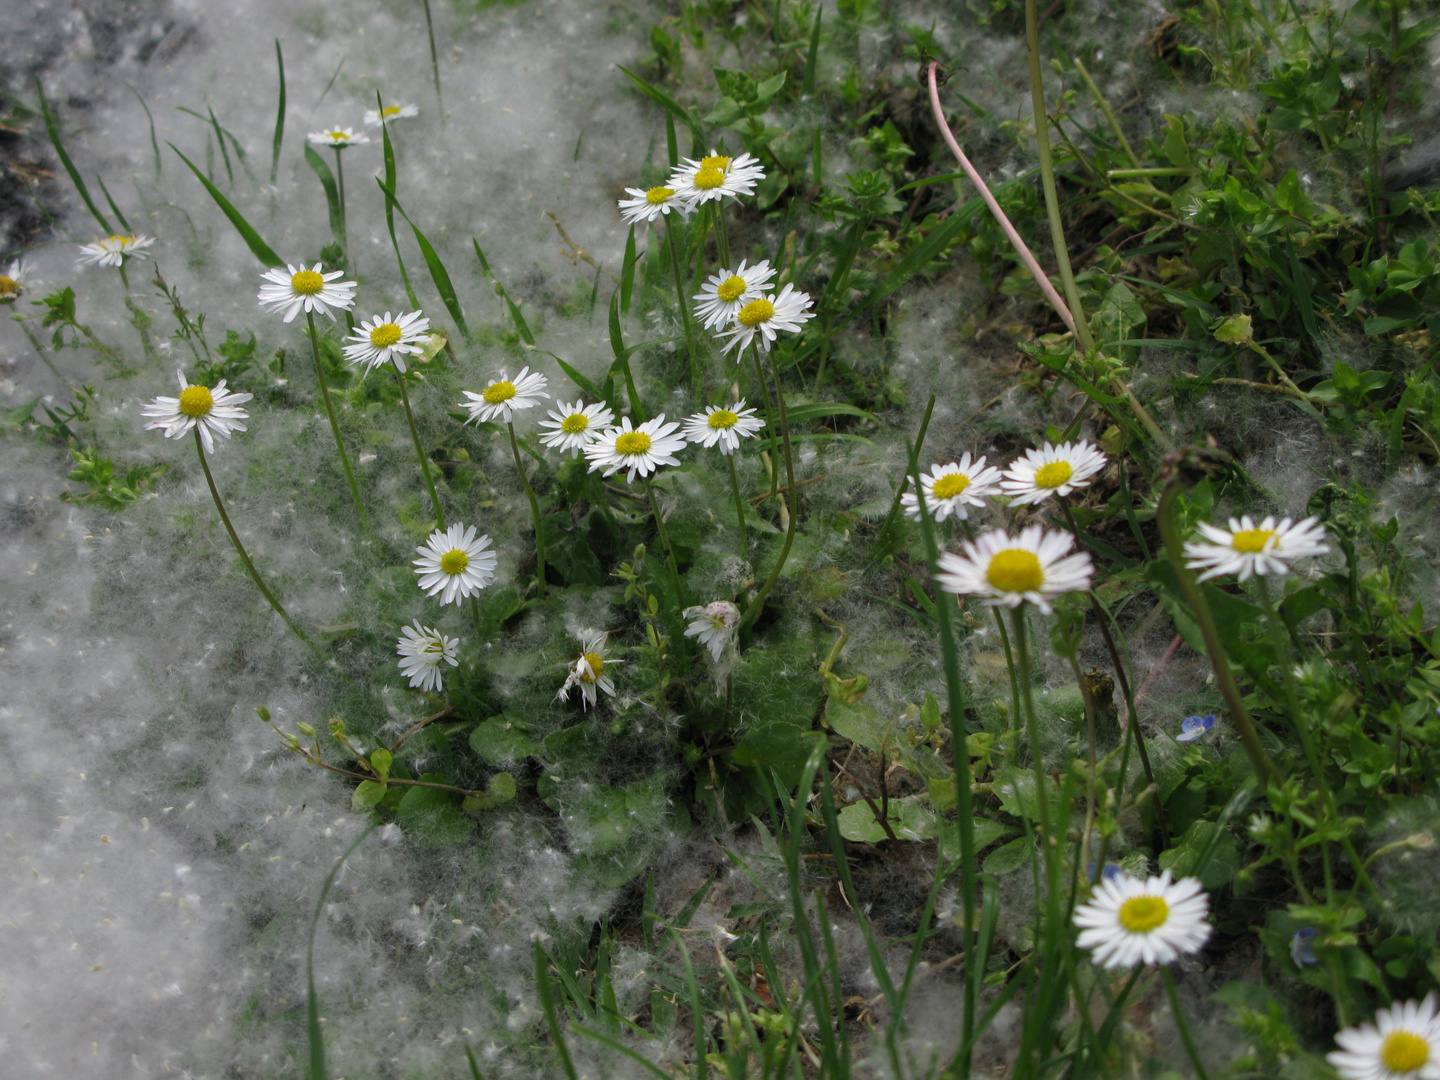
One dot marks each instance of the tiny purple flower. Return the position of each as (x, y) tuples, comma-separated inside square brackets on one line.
[(1300, 950), (1195, 728)]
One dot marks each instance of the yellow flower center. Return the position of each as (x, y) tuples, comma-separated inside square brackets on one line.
[(756, 312), (500, 391), (950, 485), (575, 423), (1251, 541), (632, 443), (722, 419), (434, 647), (1015, 570), (594, 664), (196, 401), (123, 241), (1054, 474), (454, 561), (1404, 1051), (338, 136), (8, 286), (657, 195), (718, 161), (307, 283), (385, 335), (390, 110), (1142, 914), (708, 178), (731, 289)]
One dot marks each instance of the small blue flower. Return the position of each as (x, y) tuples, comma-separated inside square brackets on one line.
[(1110, 873), (1300, 950), (1195, 728)]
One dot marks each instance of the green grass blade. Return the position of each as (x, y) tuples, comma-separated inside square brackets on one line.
[(474, 1068), (621, 1048), (279, 116), (627, 273), (686, 913), (586, 386), (332, 193), (622, 358), (154, 143), (220, 138), (326, 92), (674, 108), (547, 1003), (812, 59), (697, 1014), (113, 208), (312, 1000), (520, 323), (484, 262), (261, 250), (52, 125), (389, 149), (438, 274), (672, 144)]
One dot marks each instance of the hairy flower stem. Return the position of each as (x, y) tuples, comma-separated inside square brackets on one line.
[(434, 61), (722, 236), (244, 556), (697, 373), (138, 318), (769, 423), (793, 496), (665, 543), (739, 507), (340, 188), (420, 453), (534, 513), (335, 424), (1048, 839), (1180, 1021)]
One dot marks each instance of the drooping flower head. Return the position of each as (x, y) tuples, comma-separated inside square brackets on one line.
[(1300, 946), (588, 672), (1195, 728), (1051, 470), (14, 281), (574, 427), (764, 317), (1009, 570), (651, 204), (295, 290), (1402, 1044), (714, 177), (1155, 921), (723, 427), (715, 624), (454, 563), (953, 488), (114, 250), (383, 339), (210, 411), (338, 137), (422, 650), (639, 450), (725, 294), (1247, 549), (503, 396), (390, 113)]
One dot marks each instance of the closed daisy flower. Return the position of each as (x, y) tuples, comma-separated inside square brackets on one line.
[(454, 563), (724, 294), (715, 625), (1247, 549), (715, 176), (1155, 921), (422, 651), (114, 250), (337, 137), (382, 339), (588, 672), (765, 316), (950, 489), (574, 427), (210, 411), (14, 281), (389, 114), (500, 399), (1402, 1044), (650, 205), (292, 291), (1051, 470), (640, 450), (725, 427), (1008, 570)]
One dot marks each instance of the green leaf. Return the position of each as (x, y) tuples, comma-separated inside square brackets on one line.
[(622, 358), (431, 816), (367, 793), (817, 410), (588, 387), (812, 56), (332, 193), (52, 125), (776, 745), (674, 108), (930, 713), (858, 722), (500, 742), (279, 116), (627, 272), (258, 247), (380, 761), (438, 274), (1010, 857), (500, 790)]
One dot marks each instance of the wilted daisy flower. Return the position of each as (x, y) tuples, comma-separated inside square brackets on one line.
[(14, 281), (649, 205), (724, 294), (715, 176), (715, 625), (293, 291), (337, 137), (1247, 549), (422, 651), (211, 411), (1155, 921), (384, 340), (765, 316), (454, 563), (114, 250), (588, 672), (950, 489), (502, 397), (1402, 1044), (723, 426), (1009, 570), (1051, 470), (390, 113), (641, 450), (574, 427)]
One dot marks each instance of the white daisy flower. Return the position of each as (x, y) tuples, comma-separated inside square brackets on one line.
[(650, 205), (716, 625), (725, 426), (337, 137), (385, 340), (1009, 570), (715, 176), (213, 412), (764, 316), (293, 291), (1051, 470), (14, 281), (951, 489), (1156, 921), (574, 427), (1402, 1044), (1248, 549), (390, 113), (588, 672), (502, 397), (114, 250), (422, 650), (724, 294), (455, 563), (641, 450)]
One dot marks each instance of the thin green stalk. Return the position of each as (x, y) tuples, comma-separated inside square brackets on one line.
[(434, 61), (1115, 127), (547, 1005), (665, 542), (475, 615), (534, 513), (722, 236), (420, 453), (1032, 730), (739, 507), (138, 318), (244, 555), (697, 373), (340, 187), (335, 424), (769, 422), (793, 498), (1182, 1023), (312, 999)]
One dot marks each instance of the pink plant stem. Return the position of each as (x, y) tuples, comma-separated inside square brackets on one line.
[(1024, 252), (1159, 666)]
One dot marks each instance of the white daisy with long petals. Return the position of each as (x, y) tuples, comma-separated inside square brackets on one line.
[(636, 450), (1155, 921), (14, 281), (386, 339), (1247, 549), (953, 488), (764, 317), (650, 205), (210, 411), (422, 650), (295, 290), (503, 396), (337, 137), (588, 672), (1402, 1044), (454, 563), (714, 177), (724, 427), (1051, 470), (390, 113), (574, 427), (716, 625), (724, 294), (1007, 570), (114, 250)]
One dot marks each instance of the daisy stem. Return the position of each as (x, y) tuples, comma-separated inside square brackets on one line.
[(335, 424), (340, 186), (420, 453), (244, 556), (758, 604), (665, 542), (739, 506), (722, 234), (770, 425), (1181, 1023), (1032, 729), (434, 61), (138, 318), (697, 374), (475, 617), (534, 512)]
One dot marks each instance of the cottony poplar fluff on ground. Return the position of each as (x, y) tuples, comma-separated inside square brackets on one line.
[(1402, 1044), (213, 411), (951, 489), (1007, 570), (1247, 549), (1130, 921), (455, 563)]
